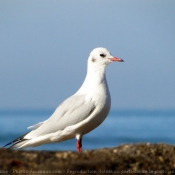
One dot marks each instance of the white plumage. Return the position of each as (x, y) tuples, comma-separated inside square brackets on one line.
[(80, 113)]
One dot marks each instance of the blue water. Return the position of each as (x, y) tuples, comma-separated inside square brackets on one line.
[(120, 127)]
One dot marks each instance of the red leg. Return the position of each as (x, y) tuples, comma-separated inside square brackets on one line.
[(79, 145)]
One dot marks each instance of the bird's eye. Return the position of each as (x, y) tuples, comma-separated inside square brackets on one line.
[(102, 55)]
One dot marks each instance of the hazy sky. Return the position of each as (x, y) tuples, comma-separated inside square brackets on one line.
[(44, 46)]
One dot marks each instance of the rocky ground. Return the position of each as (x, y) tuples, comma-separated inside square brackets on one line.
[(143, 158)]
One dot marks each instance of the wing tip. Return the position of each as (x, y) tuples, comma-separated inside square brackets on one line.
[(16, 141), (7, 145)]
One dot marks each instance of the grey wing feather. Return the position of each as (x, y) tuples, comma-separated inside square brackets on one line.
[(72, 111), (33, 127)]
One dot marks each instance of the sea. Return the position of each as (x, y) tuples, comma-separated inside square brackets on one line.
[(122, 126)]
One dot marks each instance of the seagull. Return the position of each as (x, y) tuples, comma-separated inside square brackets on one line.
[(80, 113)]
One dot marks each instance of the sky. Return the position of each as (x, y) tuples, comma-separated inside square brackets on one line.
[(44, 46)]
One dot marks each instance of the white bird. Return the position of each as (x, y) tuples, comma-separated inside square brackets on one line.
[(80, 113)]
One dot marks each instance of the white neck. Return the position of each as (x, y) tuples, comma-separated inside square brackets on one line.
[(95, 77)]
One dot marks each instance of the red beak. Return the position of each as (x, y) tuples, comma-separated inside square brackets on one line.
[(116, 59)]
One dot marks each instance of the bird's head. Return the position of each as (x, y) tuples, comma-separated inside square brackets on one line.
[(102, 57)]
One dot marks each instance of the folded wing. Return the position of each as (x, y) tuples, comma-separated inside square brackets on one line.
[(72, 111)]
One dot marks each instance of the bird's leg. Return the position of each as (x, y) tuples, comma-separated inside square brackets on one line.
[(79, 145)]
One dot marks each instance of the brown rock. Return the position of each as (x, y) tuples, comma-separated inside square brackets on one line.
[(142, 158)]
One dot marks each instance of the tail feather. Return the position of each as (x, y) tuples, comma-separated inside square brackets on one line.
[(17, 142)]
